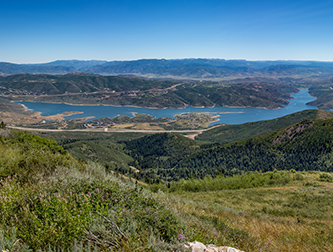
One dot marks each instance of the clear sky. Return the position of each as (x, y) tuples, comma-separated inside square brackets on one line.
[(36, 31)]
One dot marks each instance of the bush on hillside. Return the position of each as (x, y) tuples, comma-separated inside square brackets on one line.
[(220, 182)]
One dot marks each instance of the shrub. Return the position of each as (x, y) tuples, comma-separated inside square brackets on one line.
[(81, 205), (325, 177), (31, 157), (249, 180)]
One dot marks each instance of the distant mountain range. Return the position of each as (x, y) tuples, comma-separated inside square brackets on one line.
[(184, 68)]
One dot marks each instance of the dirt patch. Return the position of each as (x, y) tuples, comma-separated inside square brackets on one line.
[(322, 114), (59, 117), (192, 136)]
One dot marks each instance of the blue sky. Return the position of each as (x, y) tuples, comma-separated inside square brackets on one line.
[(34, 31)]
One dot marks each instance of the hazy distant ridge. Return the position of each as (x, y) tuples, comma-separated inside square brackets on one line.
[(9, 69), (188, 68)]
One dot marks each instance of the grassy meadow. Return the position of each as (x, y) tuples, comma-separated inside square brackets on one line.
[(297, 216), (50, 201)]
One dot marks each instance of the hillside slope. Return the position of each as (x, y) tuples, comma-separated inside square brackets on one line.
[(50, 200), (284, 210), (77, 83), (306, 145), (231, 133), (80, 88)]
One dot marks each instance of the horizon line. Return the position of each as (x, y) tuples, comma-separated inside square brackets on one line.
[(124, 60)]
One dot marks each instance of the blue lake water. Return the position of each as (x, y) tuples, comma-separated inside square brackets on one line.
[(228, 115)]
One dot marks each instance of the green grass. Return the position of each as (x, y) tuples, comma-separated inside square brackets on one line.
[(73, 205), (54, 202), (250, 180), (28, 156), (292, 217), (50, 200)]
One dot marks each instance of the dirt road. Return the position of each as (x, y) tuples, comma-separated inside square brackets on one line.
[(190, 132)]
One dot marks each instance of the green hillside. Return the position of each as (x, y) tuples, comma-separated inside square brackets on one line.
[(162, 145), (303, 146), (103, 148), (28, 157), (154, 153), (231, 133), (306, 145), (50, 201)]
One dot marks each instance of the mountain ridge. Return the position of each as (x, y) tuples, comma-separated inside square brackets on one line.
[(188, 68)]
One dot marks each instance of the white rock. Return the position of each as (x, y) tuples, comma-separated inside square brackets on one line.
[(200, 247), (214, 248), (196, 246)]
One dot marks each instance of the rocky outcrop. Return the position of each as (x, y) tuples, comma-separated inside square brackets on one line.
[(200, 247)]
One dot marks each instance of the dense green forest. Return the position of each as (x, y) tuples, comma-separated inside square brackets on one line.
[(306, 145), (303, 146)]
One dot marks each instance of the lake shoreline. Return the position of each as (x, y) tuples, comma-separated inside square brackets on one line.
[(227, 114)]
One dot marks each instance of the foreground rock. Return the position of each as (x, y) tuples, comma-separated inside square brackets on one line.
[(200, 247)]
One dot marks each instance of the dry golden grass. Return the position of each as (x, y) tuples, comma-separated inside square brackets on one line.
[(322, 114), (296, 217), (147, 126), (123, 126)]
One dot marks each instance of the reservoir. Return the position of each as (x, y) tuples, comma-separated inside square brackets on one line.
[(226, 115)]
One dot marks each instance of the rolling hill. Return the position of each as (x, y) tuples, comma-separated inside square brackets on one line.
[(77, 83), (230, 133), (306, 145), (80, 88)]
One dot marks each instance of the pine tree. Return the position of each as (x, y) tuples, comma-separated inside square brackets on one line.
[(2, 125)]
